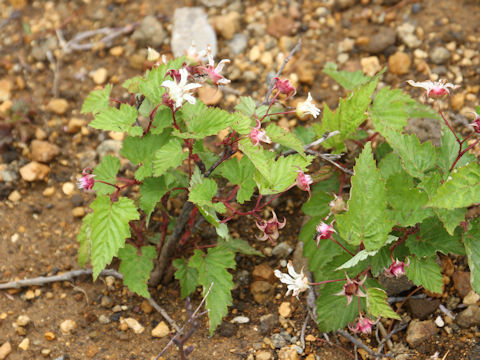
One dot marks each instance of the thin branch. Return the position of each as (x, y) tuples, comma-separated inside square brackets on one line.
[(327, 135), (191, 319), (68, 276), (163, 313), (360, 344), (56, 71), (325, 157), (397, 328), (266, 100)]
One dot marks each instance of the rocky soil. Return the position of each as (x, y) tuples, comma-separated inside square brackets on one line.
[(46, 70)]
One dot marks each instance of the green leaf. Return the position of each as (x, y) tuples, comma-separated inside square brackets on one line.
[(240, 172), (202, 121), (305, 133), (407, 202), (121, 120), (257, 155), (246, 106), (188, 277), (141, 150), (136, 267), (333, 312), (417, 158), (212, 268), (151, 191), (110, 228), (431, 238), (460, 190), (238, 246), (377, 304), (425, 272), (285, 138), (365, 221), (364, 254), (471, 241), (84, 240), (161, 120), (390, 165), (97, 100), (170, 155), (106, 171), (132, 85), (391, 109), (349, 115), (348, 80), (201, 194)]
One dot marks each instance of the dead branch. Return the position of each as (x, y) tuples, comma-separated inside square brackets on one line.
[(279, 72), (360, 344), (163, 313)]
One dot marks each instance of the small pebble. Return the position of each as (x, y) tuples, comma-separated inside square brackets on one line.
[(14, 196), (23, 320), (103, 319), (161, 330), (29, 295), (439, 321), (68, 188), (48, 191), (68, 326), (240, 320), (46, 352), (134, 325), (24, 344), (285, 310), (49, 336), (471, 298), (78, 212)]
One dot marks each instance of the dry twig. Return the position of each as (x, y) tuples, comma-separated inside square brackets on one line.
[(360, 344)]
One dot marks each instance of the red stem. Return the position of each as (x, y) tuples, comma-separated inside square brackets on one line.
[(343, 247), (449, 126)]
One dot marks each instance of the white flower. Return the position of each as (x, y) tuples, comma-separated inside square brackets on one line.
[(214, 72), (307, 107), (193, 55), (179, 92), (434, 89), (296, 283)]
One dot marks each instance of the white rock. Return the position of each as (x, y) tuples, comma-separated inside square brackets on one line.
[(439, 321), (68, 188), (99, 76), (134, 325), (68, 326), (161, 330), (240, 320), (471, 298), (370, 65), (23, 320)]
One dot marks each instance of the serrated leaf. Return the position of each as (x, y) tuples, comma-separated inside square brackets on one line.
[(246, 105), (170, 155), (377, 304), (212, 268), (333, 312), (348, 80), (202, 121), (407, 202), (425, 272), (471, 240), (187, 276), (417, 158), (201, 194), (285, 138), (240, 172), (305, 133), (365, 221), (348, 116), (110, 228), (84, 240), (239, 246), (142, 150), (460, 190), (390, 165), (151, 85), (136, 267), (431, 238), (107, 172), (97, 100), (257, 155), (364, 254), (120, 120), (161, 120), (133, 84), (151, 191)]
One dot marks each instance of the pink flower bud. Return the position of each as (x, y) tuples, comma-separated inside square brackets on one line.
[(285, 87), (434, 89), (364, 325), (476, 123), (304, 181), (324, 231), (258, 135), (270, 228), (397, 268), (86, 182), (352, 288)]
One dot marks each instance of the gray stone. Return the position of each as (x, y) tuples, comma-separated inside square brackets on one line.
[(238, 44), (282, 250), (109, 147), (394, 286), (419, 331), (439, 55), (149, 33), (380, 41), (421, 308), (227, 329), (190, 25), (406, 34), (262, 292), (469, 317), (425, 129), (267, 323), (278, 341)]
